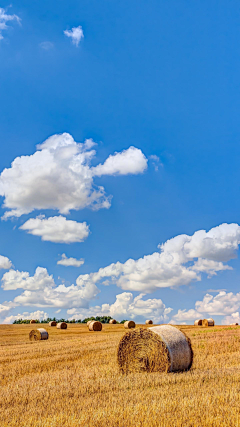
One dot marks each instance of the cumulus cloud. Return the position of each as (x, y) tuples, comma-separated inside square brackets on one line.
[(15, 279), (5, 263), (70, 262), (127, 307), (130, 161), (57, 176), (76, 34), (223, 304), (38, 315), (57, 229), (181, 260), (4, 18), (234, 318)]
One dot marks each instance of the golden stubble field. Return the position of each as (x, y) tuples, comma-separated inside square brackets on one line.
[(73, 380)]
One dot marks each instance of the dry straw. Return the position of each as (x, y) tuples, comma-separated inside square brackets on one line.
[(112, 321), (129, 324), (53, 323), (149, 322), (208, 322), (38, 334), (62, 325), (157, 349), (198, 322), (89, 321), (95, 326), (32, 321)]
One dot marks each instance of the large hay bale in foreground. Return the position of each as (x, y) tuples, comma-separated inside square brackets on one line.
[(32, 321), (149, 322), (38, 334), (95, 326), (208, 322), (157, 349), (62, 325), (129, 324), (112, 321), (198, 322), (53, 323)]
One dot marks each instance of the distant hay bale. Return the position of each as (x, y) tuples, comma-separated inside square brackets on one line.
[(112, 321), (149, 322), (95, 326), (32, 321), (157, 349), (198, 322), (88, 323), (129, 324), (233, 324), (38, 334), (62, 325), (53, 323), (208, 322)]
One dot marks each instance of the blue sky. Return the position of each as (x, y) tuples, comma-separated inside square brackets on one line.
[(161, 77)]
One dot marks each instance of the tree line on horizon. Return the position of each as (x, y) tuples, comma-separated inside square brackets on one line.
[(102, 319)]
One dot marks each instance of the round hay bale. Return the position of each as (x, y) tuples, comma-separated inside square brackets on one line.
[(198, 322), (53, 323), (112, 321), (157, 349), (32, 321), (38, 334), (149, 322), (211, 322), (208, 322), (233, 324), (89, 321), (129, 324), (95, 326), (62, 325)]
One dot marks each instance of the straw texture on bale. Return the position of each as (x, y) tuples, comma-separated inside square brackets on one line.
[(149, 322), (208, 322), (157, 349), (95, 326), (112, 321), (129, 324), (38, 334), (62, 325), (53, 323), (198, 322), (89, 321), (233, 324), (32, 321)]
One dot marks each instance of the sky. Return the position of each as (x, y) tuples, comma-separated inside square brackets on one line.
[(119, 160)]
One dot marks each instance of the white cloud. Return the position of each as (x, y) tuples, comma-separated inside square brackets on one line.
[(15, 279), (37, 315), (70, 262), (182, 260), (76, 34), (57, 229), (5, 263), (185, 315), (46, 45), (57, 176), (234, 318), (130, 161), (155, 161), (4, 18), (127, 307)]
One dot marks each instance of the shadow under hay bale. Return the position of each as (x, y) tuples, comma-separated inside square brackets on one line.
[(95, 326), (112, 321), (32, 321), (62, 325), (198, 322), (149, 322), (157, 349), (38, 334), (208, 322), (53, 323), (129, 324)]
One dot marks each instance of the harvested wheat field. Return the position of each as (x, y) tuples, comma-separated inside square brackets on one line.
[(73, 379)]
